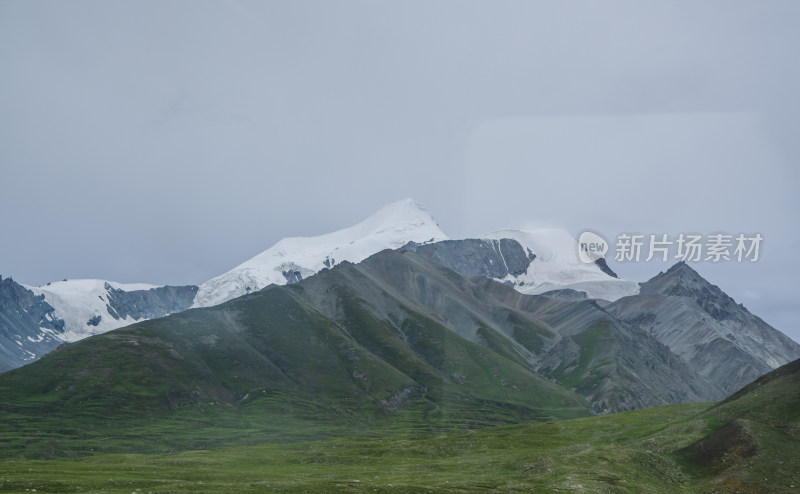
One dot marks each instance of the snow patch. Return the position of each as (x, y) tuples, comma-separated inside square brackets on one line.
[(557, 266), (77, 301)]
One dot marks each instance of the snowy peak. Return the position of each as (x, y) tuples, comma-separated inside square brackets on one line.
[(392, 223), (556, 266), (402, 217), (295, 258), (550, 257)]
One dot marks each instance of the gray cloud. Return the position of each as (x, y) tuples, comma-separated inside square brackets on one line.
[(168, 141)]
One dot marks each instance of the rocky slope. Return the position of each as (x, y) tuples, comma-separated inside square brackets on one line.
[(29, 327), (577, 344), (716, 337)]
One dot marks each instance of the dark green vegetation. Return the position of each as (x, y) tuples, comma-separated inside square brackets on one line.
[(755, 445), (598, 454), (746, 444)]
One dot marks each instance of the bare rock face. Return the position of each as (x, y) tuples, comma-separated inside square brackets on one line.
[(477, 257), (615, 366), (717, 338), (29, 327), (149, 304)]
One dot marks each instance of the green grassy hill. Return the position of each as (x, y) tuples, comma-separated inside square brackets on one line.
[(746, 444), (268, 367), (755, 440)]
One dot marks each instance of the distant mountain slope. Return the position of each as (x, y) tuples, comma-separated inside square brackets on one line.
[(618, 368), (714, 335), (293, 259), (615, 366)]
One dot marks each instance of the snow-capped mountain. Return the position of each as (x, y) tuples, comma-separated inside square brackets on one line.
[(532, 262), (557, 266), (295, 258), (554, 263), (81, 304), (90, 307), (35, 320)]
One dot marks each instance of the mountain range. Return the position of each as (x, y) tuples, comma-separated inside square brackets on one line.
[(82, 308), (524, 296), (428, 333)]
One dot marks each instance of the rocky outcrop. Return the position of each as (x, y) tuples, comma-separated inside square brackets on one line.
[(149, 304), (477, 257), (601, 263)]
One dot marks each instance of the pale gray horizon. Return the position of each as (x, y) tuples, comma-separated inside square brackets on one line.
[(167, 142)]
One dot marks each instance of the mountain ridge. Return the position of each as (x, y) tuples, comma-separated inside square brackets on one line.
[(88, 306), (714, 335), (537, 262)]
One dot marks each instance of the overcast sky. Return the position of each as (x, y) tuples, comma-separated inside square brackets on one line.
[(168, 141)]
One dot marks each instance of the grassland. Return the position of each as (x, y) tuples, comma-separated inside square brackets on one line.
[(642, 451), (627, 452), (746, 444)]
